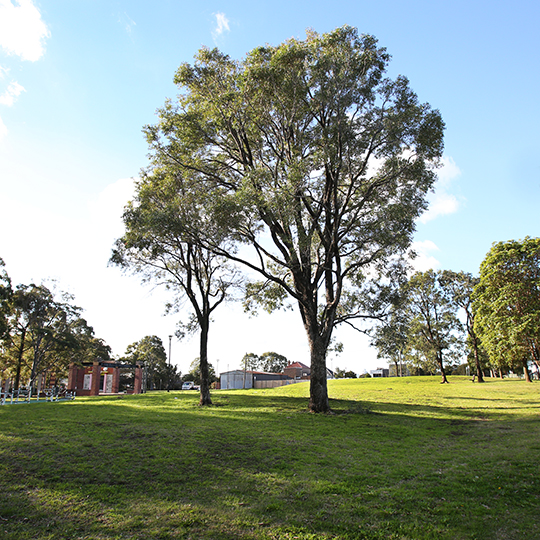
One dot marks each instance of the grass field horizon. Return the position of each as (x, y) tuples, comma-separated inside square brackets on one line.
[(400, 458)]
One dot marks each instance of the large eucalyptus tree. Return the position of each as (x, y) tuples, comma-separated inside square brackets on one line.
[(315, 163)]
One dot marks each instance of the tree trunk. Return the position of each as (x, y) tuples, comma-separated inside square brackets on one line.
[(441, 367), (19, 361), (318, 340), (203, 356), (318, 389), (526, 371), (479, 374)]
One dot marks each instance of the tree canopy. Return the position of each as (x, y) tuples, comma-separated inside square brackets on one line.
[(42, 332), (314, 163), (156, 246), (150, 350), (434, 327), (507, 302)]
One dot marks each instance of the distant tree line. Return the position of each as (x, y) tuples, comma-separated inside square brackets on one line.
[(493, 319), (41, 333)]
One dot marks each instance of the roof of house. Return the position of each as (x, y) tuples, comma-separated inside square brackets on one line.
[(297, 365)]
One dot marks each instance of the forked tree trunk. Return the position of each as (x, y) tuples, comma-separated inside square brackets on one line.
[(203, 359), (441, 367)]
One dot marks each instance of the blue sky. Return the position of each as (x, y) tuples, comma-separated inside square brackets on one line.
[(78, 81)]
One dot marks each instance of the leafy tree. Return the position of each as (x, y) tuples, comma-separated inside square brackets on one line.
[(251, 361), (272, 362), (5, 295), (150, 351), (461, 286), (41, 330), (391, 336), (350, 375), (194, 373), (507, 303), (432, 320), (156, 246), (307, 155)]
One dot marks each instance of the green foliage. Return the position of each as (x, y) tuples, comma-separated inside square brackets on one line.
[(391, 336), (342, 374), (269, 362), (150, 351), (433, 326), (5, 295), (194, 373), (507, 303), (45, 333), (272, 362)]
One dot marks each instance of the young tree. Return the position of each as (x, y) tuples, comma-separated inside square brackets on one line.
[(251, 362), (507, 303), (272, 362), (309, 156), (391, 336), (156, 246), (433, 322), (461, 286), (150, 350), (194, 373)]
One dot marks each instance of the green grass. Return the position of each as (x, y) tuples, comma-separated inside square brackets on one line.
[(400, 459)]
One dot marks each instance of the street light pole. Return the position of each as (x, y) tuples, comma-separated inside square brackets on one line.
[(169, 385)]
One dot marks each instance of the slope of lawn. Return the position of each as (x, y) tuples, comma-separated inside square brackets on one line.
[(400, 459)]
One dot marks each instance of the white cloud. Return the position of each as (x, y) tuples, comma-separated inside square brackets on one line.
[(11, 94), (441, 201), (424, 260), (222, 25), (22, 31)]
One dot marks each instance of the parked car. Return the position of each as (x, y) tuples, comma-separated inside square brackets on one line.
[(188, 385)]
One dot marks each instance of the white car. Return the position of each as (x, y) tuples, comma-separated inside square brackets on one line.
[(188, 385)]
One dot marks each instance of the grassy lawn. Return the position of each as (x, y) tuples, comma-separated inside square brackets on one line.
[(400, 459)]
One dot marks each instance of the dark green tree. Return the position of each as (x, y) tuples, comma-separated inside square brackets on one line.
[(150, 351), (272, 362), (194, 373), (5, 296), (312, 159), (41, 330), (507, 303)]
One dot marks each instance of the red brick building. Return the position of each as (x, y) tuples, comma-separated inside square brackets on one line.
[(98, 377)]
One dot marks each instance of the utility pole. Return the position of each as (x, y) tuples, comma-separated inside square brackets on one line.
[(169, 382)]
